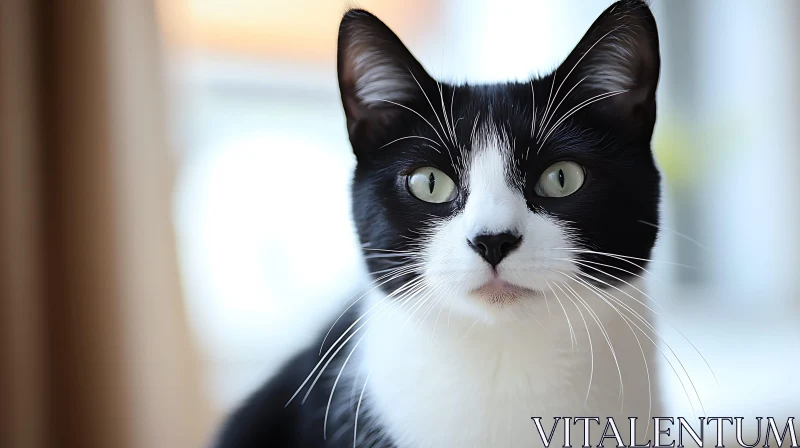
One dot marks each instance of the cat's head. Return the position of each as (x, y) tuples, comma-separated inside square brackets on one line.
[(492, 196)]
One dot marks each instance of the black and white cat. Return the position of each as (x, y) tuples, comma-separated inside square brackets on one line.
[(506, 228)]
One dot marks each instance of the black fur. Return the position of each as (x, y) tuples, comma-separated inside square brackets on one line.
[(614, 211), (265, 420)]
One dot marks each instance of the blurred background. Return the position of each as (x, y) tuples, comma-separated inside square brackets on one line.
[(153, 266)]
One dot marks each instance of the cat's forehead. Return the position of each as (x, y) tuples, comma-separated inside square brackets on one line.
[(494, 114), (491, 153), (470, 120), (516, 119)]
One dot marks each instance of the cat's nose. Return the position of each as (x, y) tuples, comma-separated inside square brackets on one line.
[(494, 247)]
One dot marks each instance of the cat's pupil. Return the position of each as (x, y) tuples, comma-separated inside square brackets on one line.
[(561, 178), (431, 182)]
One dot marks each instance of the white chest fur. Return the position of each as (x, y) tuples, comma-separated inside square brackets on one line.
[(479, 385)]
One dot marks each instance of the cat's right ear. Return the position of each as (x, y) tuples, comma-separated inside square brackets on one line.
[(379, 78)]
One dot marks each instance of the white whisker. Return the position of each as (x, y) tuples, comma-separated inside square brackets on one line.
[(429, 102), (335, 382), (570, 72), (412, 136), (398, 272), (533, 118), (638, 342), (577, 108), (317, 366), (687, 238), (653, 329), (651, 310), (549, 99), (415, 112), (600, 325), (562, 101), (358, 408), (591, 346), (573, 337), (620, 257)]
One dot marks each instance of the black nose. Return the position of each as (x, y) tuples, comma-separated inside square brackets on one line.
[(494, 247)]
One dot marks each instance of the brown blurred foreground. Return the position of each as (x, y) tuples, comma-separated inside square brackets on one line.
[(94, 348)]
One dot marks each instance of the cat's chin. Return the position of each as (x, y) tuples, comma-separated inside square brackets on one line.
[(500, 293)]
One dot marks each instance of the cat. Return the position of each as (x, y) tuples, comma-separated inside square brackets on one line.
[(504, 228)]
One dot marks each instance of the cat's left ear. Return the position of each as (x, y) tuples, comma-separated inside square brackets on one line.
[(615, 68), (379, 79)]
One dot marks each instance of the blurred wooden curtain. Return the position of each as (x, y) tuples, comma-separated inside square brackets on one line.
[(94, 347)]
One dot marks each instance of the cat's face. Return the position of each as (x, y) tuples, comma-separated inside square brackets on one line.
[(492, 196)]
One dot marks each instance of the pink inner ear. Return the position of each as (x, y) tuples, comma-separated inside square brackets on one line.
[(371, 84), (374, 74)]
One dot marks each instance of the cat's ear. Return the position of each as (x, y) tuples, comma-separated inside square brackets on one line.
[(615, 68), (379, 78)]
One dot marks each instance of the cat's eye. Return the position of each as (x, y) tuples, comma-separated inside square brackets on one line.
[(560, 179), (431, 185)]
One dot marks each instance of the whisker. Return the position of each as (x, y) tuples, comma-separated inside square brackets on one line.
[(638, 342), (372, 256), (384, 271), (603, 331), (404, 270), (687, 238), (618, 256), (580, 263), (600, 325), (380, 302), (416, 307), (615, 267), (653, 329), (335, 382), (358, 408), (645, 305), (438, 315), (447, 121), (573, 337), (450, 311), (591, 346), (429, 102), (533, 109), (474, 129), (330, 358), (653, 311), (437, 299), (577, 63), (415, 112), (412, 136), (530, 313), (549, 97), (409, 252), (470, 328), (547, 304), (577, 108), (562, 100), (455, 125), (533, 118), (656, 346), (344, 344)]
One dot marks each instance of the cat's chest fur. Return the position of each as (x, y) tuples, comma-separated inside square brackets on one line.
[(479, 386)]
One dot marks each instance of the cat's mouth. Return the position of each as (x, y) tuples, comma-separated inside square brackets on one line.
[(501, 291)]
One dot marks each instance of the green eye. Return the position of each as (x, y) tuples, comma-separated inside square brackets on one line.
[(560, 179), (431, 185)]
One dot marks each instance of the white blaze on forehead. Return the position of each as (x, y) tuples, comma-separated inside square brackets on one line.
[(493, 205)]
